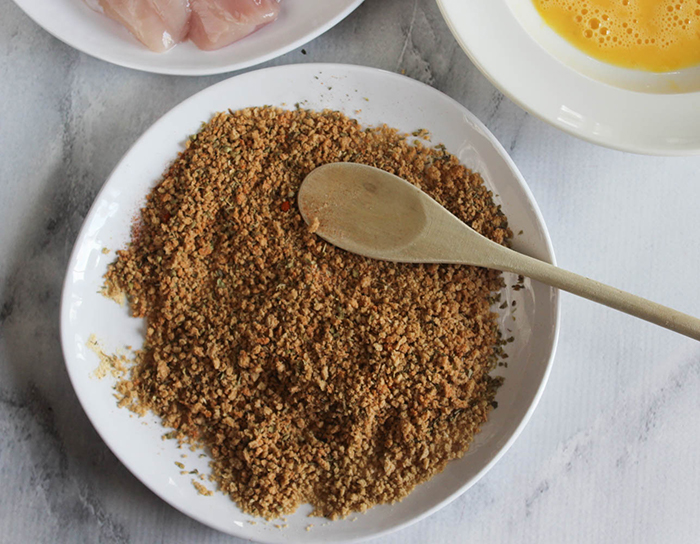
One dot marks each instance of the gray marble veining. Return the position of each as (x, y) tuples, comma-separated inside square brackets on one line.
[(609, 456)]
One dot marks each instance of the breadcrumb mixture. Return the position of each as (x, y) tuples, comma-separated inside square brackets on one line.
[(311, 374)]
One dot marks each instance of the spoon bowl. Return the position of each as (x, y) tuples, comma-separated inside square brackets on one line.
[(360, 213)]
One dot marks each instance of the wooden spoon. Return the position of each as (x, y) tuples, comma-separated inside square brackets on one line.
[(376, 214)]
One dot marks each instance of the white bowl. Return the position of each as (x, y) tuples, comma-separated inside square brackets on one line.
[(382, 97), (74, 23), (624, 109)]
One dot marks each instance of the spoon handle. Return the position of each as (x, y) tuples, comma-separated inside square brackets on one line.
[(511, 261)]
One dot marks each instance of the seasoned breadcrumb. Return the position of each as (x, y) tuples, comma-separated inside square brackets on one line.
[(201, 490), (113, 365), (311, 374)]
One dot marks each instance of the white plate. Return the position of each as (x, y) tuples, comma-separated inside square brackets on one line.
[(382, 97), (619, 108), (74, 23)]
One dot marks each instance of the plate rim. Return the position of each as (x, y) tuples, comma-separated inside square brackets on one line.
[(193, 72), (555, 299), (498, 80)]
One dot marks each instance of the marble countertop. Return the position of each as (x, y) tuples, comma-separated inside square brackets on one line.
[(610, 455)]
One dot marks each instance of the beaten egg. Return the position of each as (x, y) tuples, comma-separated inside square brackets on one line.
[(652, 35)]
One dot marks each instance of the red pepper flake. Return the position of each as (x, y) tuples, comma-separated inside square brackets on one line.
[(285, 206)]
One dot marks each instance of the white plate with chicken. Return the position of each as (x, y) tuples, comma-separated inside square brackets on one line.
[(186, 37)]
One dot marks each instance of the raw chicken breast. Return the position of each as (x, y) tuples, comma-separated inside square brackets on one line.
[(158, 24), (217, 23)]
